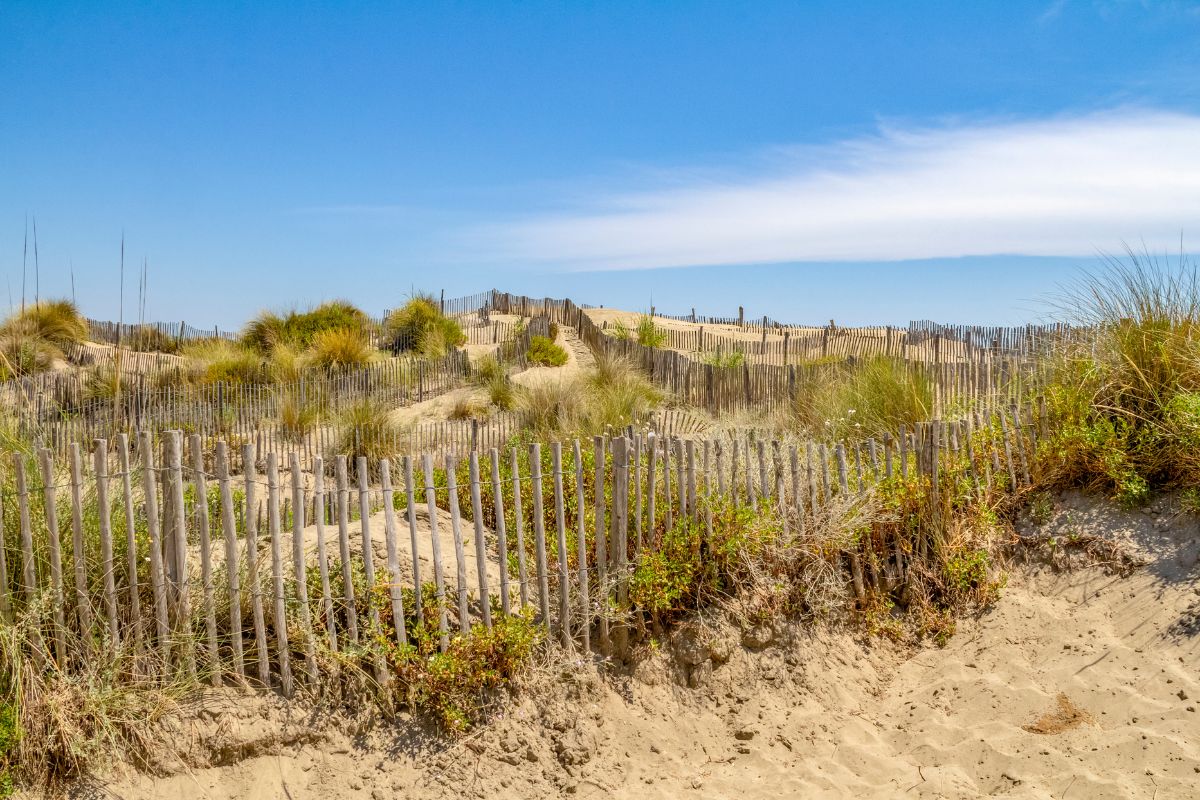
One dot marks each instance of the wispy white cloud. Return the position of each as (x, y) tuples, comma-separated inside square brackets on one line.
[(1064, 186)]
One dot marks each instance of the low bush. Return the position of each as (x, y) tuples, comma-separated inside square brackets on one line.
[(220, 361), (544, 352)]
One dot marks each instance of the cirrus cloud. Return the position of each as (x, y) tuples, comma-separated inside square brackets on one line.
[(1057, 187)]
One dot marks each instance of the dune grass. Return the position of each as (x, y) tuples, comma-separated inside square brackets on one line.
[(33, 339), (420, 326), (1126, 398), (218, 360), (299, 329), (609, 396), (340, 348), (860, 399)]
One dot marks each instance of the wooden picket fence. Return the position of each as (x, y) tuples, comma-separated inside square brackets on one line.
[(60, 412), (165, 553), (995, 377)]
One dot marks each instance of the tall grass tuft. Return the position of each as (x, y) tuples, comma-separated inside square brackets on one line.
[(340, 348), (33, 339), (649, 334), (1127, 395), (367, 430), (859, 399), (489, 374), (218, 360), (420, 325), (611, 395), (300, 329)]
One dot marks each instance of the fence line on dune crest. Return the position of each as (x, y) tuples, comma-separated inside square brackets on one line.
[(247, 567), (109, 332), (989, 376), (269, 415)]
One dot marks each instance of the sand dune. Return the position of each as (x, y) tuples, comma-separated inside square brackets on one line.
[(1078, 684)]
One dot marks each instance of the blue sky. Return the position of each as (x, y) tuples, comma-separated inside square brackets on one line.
[(867, 162)]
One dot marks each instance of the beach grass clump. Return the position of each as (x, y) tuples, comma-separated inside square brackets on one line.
[(33, 339), (731, 359), (543, 352), (420, 326), (212, 361), (1125, 398), (297, 419), (367, 429), (336, 349), (468, 408), (649, 334), (612, 394), (861, 399), (299, 329), (490, 374)]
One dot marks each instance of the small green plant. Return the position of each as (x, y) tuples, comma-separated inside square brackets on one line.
[(730, 360), (649, 334), (1041, 508), (545, 352), (454, 684)]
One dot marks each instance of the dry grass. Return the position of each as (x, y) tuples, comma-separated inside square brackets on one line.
[(217, 360), (420, 326), (340, 348), (31, 341)]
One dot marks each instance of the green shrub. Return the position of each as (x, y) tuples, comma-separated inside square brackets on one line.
[(545, 352), (454, 685)]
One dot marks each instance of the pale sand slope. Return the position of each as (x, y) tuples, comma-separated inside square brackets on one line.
[(438, 409), (818, 715)]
